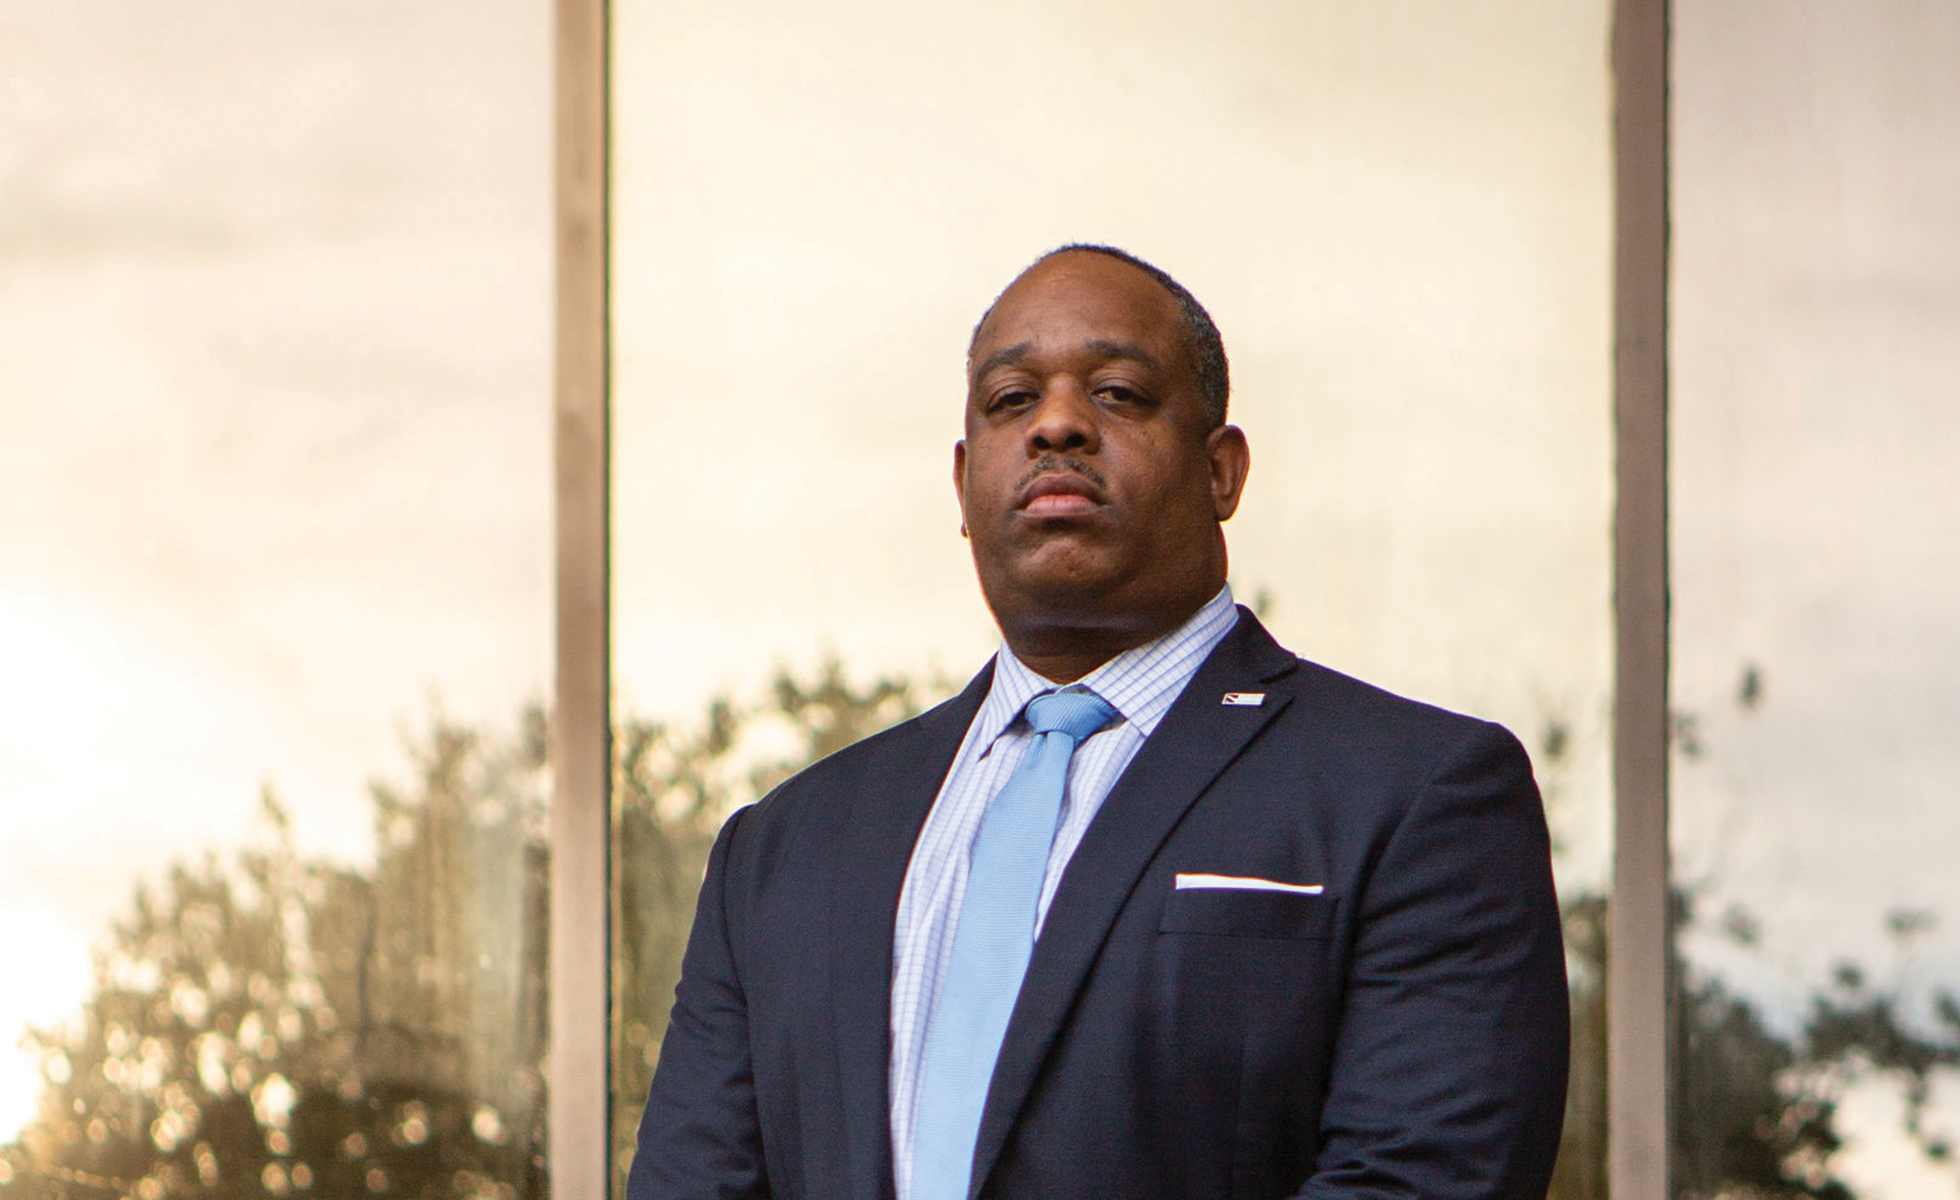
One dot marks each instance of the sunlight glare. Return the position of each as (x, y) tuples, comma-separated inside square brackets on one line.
[(43, 996)]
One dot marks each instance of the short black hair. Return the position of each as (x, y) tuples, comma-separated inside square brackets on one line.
[(1202, 341)]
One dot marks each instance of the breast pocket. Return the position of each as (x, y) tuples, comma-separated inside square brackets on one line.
[(1232, 912)]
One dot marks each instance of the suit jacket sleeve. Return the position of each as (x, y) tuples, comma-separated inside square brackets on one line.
[(1449, 1069), (700, 1136)]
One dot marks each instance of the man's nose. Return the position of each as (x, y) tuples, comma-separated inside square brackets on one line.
[(1065, 420)]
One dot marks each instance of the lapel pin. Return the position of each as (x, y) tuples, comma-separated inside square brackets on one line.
[(1244, 699)]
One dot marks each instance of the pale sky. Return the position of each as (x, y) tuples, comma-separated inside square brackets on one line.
[(1816, 521), (274, 300)]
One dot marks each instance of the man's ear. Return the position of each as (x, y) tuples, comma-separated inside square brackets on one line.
[(1231, 460), (959, 481)]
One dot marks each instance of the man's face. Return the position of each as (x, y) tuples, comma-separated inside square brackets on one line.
[(1090, 480)]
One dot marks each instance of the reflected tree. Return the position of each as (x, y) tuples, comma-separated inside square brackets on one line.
[(1755, 1110), (271, 1024), (278, 1025), (275, 1024), (1756, 1113), (1580, 1173), (673, 787)]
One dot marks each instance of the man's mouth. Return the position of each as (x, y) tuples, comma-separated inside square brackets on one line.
[(1060, 494)]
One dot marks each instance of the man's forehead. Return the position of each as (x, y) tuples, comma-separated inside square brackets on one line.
[(1092, 296), (1107, 349)]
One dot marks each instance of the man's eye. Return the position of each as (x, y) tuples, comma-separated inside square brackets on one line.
[(1015, 398), (1119, 393)]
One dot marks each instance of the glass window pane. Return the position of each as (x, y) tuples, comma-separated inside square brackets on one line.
[(1816, 560), (1399, 215), (275, 307)]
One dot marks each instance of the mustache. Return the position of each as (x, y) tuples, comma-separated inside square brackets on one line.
[(1049, 464)]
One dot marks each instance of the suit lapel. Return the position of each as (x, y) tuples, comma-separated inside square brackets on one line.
[(1197, 739), (885, 814)]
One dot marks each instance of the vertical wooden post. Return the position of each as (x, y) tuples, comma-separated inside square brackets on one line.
[(579, 1133), (1638, 986)]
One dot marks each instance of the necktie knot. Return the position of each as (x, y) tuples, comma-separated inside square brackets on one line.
[(1076, 714)]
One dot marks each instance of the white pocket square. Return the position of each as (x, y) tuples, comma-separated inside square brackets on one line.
[(1246, 883)]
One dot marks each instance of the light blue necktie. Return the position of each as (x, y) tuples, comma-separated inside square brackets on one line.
[(992, 945)]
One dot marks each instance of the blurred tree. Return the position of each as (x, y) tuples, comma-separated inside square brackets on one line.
[(672, 789), (1755, 1112), (1580, 1173), (285, 1026), (277, 1025), (1746, 1122)]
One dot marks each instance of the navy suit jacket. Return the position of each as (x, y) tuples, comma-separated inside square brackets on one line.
[(1402, 1034)]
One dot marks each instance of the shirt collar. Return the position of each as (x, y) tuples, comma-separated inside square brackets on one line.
[(1140, 683)]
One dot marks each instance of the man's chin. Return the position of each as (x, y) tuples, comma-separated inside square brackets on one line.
[(1071, 594)]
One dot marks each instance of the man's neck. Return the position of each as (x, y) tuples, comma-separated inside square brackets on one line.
[(1062, 651), (1067, 667)]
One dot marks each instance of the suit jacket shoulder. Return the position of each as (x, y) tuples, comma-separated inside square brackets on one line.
[(1378, 730)]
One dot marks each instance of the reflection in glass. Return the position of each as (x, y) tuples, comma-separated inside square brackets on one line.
[(1401, 226), (1816, 559), (274, 305)]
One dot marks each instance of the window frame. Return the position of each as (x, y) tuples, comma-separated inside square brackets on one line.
[(1638, 984), (577, 1130)]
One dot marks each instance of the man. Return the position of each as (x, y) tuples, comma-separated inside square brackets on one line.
[(1154, 908)]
